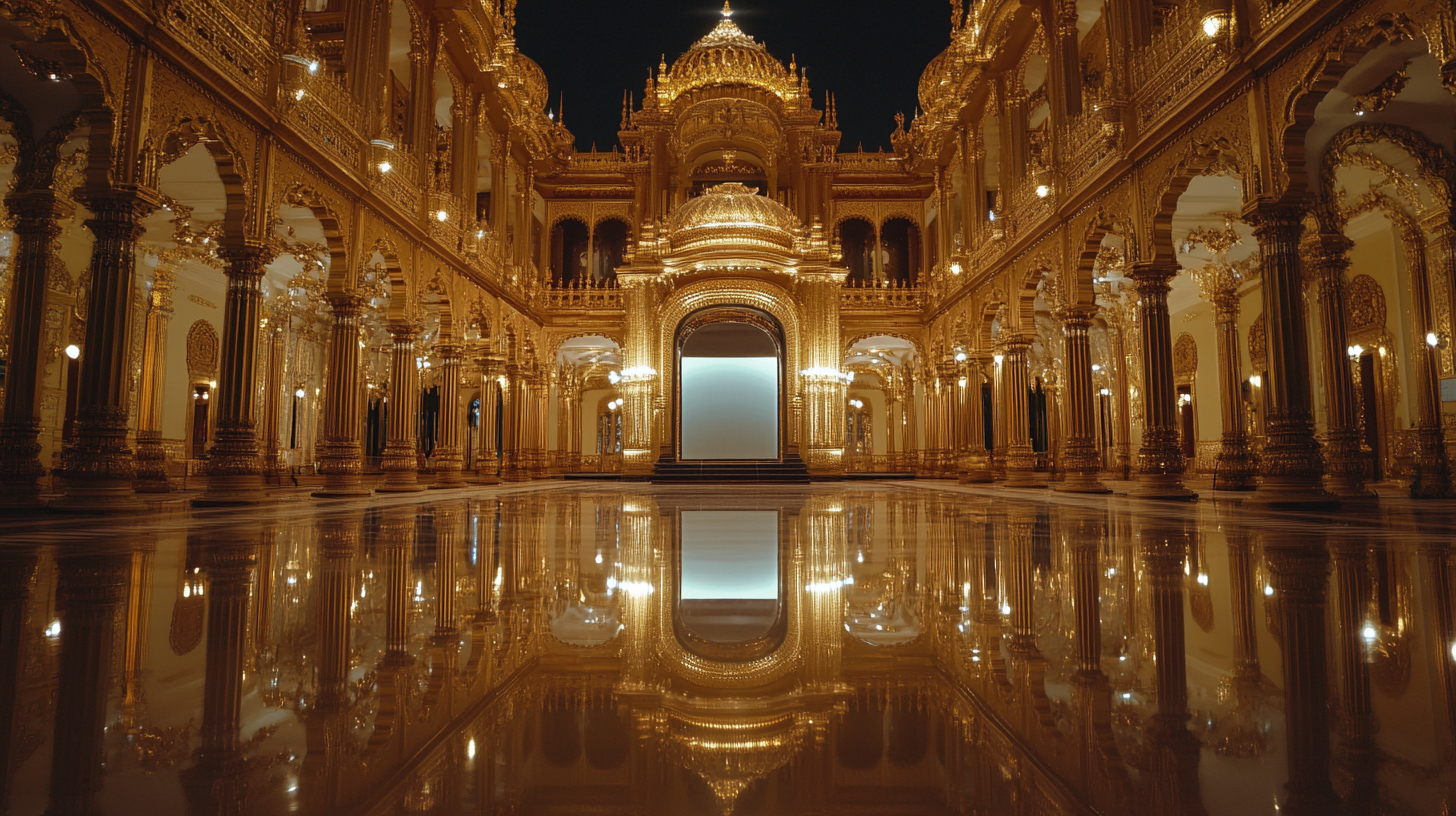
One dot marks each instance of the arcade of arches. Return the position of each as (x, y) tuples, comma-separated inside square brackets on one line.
[(1171, 256)]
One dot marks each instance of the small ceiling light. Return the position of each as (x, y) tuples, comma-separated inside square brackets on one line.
[(1212, 25), (1355, 350), (73, 351), (385, 167), (300, 393), (960, 357), (479, 234), (442, 216), (1433, 339), (1096, 366), (955, 269), (1042, 191), (298, 95), (1106, 393)]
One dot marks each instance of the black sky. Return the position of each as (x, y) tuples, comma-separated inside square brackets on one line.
[(868, 52)]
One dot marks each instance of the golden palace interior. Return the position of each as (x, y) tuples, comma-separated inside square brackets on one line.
[(1087, 452)]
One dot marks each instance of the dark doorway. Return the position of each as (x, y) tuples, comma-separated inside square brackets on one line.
[(857, 244), (1185, 422), (201, 395), (569, 259), (1370, 416)]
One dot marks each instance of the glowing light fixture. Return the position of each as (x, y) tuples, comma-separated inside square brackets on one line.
[(1355, 350), (385, 167), (298, 95), (1042, 191), (998, 358), (300, 393), (960, 357), (1256, 381), (442, 216), (73, 351), (1212, 25), (955, 269)]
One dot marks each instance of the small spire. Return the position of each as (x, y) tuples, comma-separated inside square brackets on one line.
[(727, 10), (561, 110)]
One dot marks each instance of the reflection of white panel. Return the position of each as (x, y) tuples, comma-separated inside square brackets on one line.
[(730, 408), (730, 555)]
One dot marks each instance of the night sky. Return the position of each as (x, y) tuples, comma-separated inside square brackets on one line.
[(869, 54)]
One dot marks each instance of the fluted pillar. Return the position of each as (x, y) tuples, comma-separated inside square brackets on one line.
[(401, 451), (340, 457), (321, 779), (1432, 478), (396, 549), (976, 462), (1329, 260), (1020, 528), (1160, 459), (151, 458), (1122, 429), (449, 459), (1088, 532), (513, 467), (487, 466), (92, 587), (1000, 432), (97, 463), (36, 213), (1020, 458), (1290, 470), (235, 472), (273, 388), (1300, 571), (1081, 461), (448, 522), (1235, 468)]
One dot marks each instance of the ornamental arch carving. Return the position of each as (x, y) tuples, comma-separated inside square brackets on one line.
[(1366, 301), (202, 351)]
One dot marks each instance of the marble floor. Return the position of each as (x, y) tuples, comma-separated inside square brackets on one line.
[(868, 648)]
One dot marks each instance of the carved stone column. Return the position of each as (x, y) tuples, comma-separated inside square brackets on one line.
[(1173, 752), (1432, 466), (151, 458), (36, 213), (513, 393), (1329, 258), (1235, 468), (449, 459), (976, 463), (487, 466), (999, 430), (235, 474), (1160, 459), (97, 463), (92, 587), (1020, 458), (1081, 460), (1122, 430), (273, 386), (339, 454), (401, 451), (1300, 573), (1290, 469)]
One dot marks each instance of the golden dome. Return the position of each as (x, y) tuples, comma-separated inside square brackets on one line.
[(735, 215), (727, 56)]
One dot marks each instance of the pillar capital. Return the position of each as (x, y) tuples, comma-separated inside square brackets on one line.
[(1153, 277), (1078, 316)]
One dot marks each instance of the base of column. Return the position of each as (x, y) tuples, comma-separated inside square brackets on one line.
[(1161, 487), (232, 491), (400, 487), (1023, 481), (1082, 483), (449, 484), (1276, 493), (342, 487), (99, 496)]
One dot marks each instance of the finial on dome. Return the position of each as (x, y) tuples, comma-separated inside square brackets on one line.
[(727, 10)]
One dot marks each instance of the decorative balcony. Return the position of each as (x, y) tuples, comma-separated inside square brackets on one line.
[(889, 295), (583, 297)]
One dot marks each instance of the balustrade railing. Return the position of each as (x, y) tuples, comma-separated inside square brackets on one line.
[(581, 295), (886, 295)]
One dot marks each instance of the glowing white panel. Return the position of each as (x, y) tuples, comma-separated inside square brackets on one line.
[(730, 408), (730, 555)]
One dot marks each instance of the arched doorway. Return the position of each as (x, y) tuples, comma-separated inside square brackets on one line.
[(730, 385)]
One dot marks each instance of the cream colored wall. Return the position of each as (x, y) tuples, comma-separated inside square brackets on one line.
[(1380, 256)]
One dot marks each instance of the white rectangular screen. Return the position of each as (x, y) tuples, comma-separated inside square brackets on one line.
[(730, 408), (730, 555)]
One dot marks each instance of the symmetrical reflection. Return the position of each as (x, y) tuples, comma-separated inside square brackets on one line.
[(870, 649)]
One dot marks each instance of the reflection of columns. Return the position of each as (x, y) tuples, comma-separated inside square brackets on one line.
[(1020, 528), (448, 518), (138, 618), (1160, 459), (151, 458), (321, 778), (1437, 555), (35, 212), (17, 582), (1089, 530), (1173, 751), (398, 533), (1020, 458), (401, 453), (1235, 468), (1432, 467), (1290, 468), (1357, 756), (1345, 467), (91, 587), (235, 472), (217, 782), (340, 459), (448, 457), (98, 466), (976, 464), (1081, 461), (1300, 575)]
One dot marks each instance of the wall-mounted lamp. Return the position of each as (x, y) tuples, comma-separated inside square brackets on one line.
[(1355, 350), (1256, 381), (300, 393), (73, 351)]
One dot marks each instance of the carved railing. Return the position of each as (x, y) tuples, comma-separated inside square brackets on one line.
[(1180, 59), (217, 33), (582, 297), (321, 108), (892, 296)]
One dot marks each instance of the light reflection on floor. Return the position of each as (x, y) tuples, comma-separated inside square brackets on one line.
[(918, 648)]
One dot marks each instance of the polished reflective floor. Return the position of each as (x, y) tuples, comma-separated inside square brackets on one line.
[(868, 648)]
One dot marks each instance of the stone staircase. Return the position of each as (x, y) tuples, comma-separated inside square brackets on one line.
[(791, 470)]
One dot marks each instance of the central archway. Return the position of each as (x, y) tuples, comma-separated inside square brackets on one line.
[(730, 385)]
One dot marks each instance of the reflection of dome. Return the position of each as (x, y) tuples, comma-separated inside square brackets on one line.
[(728, 56), (732, 214)]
